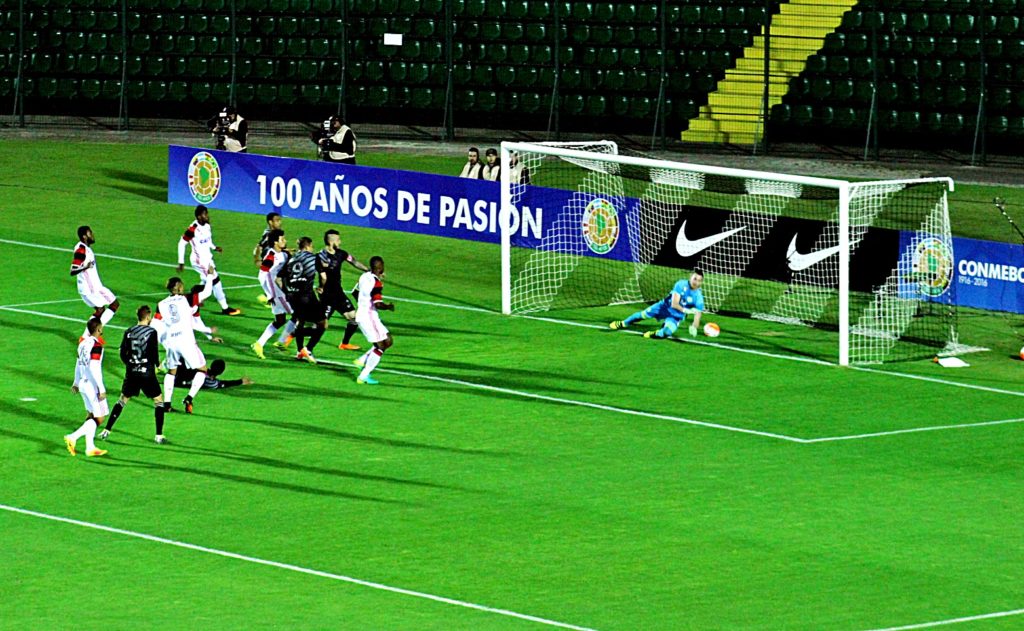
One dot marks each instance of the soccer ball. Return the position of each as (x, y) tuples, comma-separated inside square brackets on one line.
[(711, 330), (1022, 353)]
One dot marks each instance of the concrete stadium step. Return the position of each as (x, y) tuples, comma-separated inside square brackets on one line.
[(734, 110)]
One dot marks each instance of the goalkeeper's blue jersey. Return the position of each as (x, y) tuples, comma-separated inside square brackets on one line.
[(688, 297)]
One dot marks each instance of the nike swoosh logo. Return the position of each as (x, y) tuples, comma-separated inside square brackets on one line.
[(798, 261), (688, 248)]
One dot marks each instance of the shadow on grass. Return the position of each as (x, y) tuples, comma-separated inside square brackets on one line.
[(114, 461), (146, 185), (294, 466), (68, 333)]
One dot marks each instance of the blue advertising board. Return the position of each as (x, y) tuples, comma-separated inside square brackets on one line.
[(989, 275), (388, 199)]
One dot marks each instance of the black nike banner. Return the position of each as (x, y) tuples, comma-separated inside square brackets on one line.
[(871, 263)]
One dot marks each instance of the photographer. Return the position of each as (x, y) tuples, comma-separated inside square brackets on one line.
[(229, 129), (335, 141)]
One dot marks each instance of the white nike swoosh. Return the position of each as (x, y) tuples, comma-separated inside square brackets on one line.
[(798, 261), (688, 248)]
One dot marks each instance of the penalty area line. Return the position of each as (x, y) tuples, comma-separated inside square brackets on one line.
[(575, 402), (949, 621), (293, 568), (146, 295), (914, 430)]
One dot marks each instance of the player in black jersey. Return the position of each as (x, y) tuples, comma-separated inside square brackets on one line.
[(299, 280), (328, 265), (184, 377), (264, 244), (140, 352)]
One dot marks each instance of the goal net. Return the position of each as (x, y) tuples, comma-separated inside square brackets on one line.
[(869, 261)]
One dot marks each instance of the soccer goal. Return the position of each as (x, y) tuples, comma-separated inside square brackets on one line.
[(870, 261)]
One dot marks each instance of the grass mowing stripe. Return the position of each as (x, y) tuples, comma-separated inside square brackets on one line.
[(913, 430), (586, 404), (293, 568), (942, 623), (946, 382), (113, 256), (609, 408), (146, 295)]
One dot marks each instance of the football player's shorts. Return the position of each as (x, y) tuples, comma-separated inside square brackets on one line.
[(372, 328)]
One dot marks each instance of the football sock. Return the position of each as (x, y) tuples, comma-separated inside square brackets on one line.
[(158, 413), (218, 292), (168, 387), (107, 315), (267, 334), (350, 330), (197, 384), (372, 359), (286, 331), (639, 315), (314, 338), (114, 414), (90, 433), (300, 337), (81, 431)]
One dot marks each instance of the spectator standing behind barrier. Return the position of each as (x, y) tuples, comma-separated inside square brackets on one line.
[(491, 170), (518, 174), (338, 144), (473, 169), (229, 129)]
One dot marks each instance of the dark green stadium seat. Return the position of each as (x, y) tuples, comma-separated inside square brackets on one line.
[(924, 46), (571, 77), (597, 105), (618, 104), (908, 120), (640, 107), (90, 88), (635, 81), (474, 8), (266, 25), (969, 47), (821, 88), (954, 96), (85, 20), (993, 47), (497, 53), (398, 71), (1000, 98), (174, 22), (579, 33), (46, 87), (197, 66), (185, 44), (266, 93), (816, 65), (940, 23), (201, 91), (581, 11), (287, 26), (781, 113), (297, 47), (612, 80), (519, 53), (512, 31), (845, 117), (219, 67), (824, 115), (918, 22), (483, 74), (842, 89), (955, 69), (715, 37), (1015, 127), (909, 69), (275, 46), (96, 42), (251, 46), (697, 59), (319, 47), (713, 14), (838, 65), (490, 31), (210, 44), (197, 23), (311, 94), (573, 104), (1014, 48), (110, 64), (373, 70), (262, 68), (87, 63), (221, 25), (963, 23), (154, 65), (541, 55), (1007, 24), (539, 9), (608, 57), (997, 125)]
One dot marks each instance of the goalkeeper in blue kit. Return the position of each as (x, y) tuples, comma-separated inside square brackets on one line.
[(685, 298)]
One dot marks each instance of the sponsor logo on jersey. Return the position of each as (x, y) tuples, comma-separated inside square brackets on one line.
[(687, 247), (204, 177), (600, 226)]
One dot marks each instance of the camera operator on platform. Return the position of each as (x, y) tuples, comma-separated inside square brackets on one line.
[(336, 142), (229, 129)]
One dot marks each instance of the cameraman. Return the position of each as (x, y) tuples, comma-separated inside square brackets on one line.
[(337, 142), (230, 129)]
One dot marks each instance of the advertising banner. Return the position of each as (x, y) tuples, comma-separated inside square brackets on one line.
[(989, 275)]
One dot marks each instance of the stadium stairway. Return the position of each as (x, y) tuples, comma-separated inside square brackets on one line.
[(733, 113)]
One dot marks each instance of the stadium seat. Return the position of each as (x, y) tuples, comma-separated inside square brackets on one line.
[(87, 63), (174, 22), (266, 93), (96, 42), (540, 55), (540, 9), (185, 44), (197, 23), (90, 88), (221, 25), (209, 44), (597, 105)]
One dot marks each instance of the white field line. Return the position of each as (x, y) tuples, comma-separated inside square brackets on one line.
[(585, 404), (293, 568), (599, 327), (152, 293), (942, 623), (914, 430), (101, 255), (57, 317)]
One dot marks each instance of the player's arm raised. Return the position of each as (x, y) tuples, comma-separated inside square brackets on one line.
[(356, 263)]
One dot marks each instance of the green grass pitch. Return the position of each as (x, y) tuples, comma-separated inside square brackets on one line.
[(510, 473)]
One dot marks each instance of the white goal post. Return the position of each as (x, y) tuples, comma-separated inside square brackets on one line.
[(869, 260)]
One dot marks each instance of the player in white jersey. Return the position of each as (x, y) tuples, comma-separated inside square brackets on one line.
[(83, 268), (177, 328), (199, 235), (89, 383), (273, 262), (371, 302)]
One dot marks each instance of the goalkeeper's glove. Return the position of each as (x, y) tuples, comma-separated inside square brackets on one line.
[(693, 330)]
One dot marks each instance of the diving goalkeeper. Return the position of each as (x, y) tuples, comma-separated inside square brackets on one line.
[(685, 298)]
